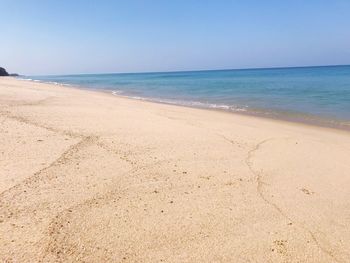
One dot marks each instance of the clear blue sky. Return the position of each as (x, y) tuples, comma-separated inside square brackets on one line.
[(82, 36)]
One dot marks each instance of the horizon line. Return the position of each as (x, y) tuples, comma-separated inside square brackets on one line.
[(196, 70)]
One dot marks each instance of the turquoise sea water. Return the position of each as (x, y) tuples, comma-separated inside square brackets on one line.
[(311, 92)]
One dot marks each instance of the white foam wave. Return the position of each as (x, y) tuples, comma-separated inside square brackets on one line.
[(117, 92), (191, 103), (48, 82)]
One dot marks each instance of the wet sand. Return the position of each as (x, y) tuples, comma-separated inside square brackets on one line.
[(90, 177)]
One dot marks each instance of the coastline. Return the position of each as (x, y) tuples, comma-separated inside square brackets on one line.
[(290, 117), (88, 176)]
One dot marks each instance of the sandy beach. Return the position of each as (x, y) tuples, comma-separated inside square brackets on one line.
[(86, 176)]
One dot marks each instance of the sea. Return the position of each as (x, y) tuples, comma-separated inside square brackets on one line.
[(309, 94)]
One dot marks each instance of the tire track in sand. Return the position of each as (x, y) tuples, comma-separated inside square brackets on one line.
[(60, 159), (55, 246), (260, 190), (34, 180), (27, 121)]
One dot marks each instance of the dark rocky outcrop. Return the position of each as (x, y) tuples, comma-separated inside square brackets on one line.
[(3, 72)]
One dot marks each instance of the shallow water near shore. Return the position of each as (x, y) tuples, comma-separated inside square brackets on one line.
[(311, 94)]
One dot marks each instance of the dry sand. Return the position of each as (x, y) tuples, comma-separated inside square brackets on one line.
[(90, 177)]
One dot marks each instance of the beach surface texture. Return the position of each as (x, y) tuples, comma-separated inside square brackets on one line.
[(86, 176)]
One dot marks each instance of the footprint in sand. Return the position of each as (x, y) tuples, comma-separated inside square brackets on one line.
[(280, 246), (306, 191)]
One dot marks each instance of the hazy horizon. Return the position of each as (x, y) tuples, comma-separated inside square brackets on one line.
[(83, 37), (191, 70)]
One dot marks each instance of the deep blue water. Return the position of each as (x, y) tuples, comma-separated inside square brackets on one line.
[(313, 91)]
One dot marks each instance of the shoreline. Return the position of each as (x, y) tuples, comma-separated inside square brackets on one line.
[(86, 176), (288, 117)]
